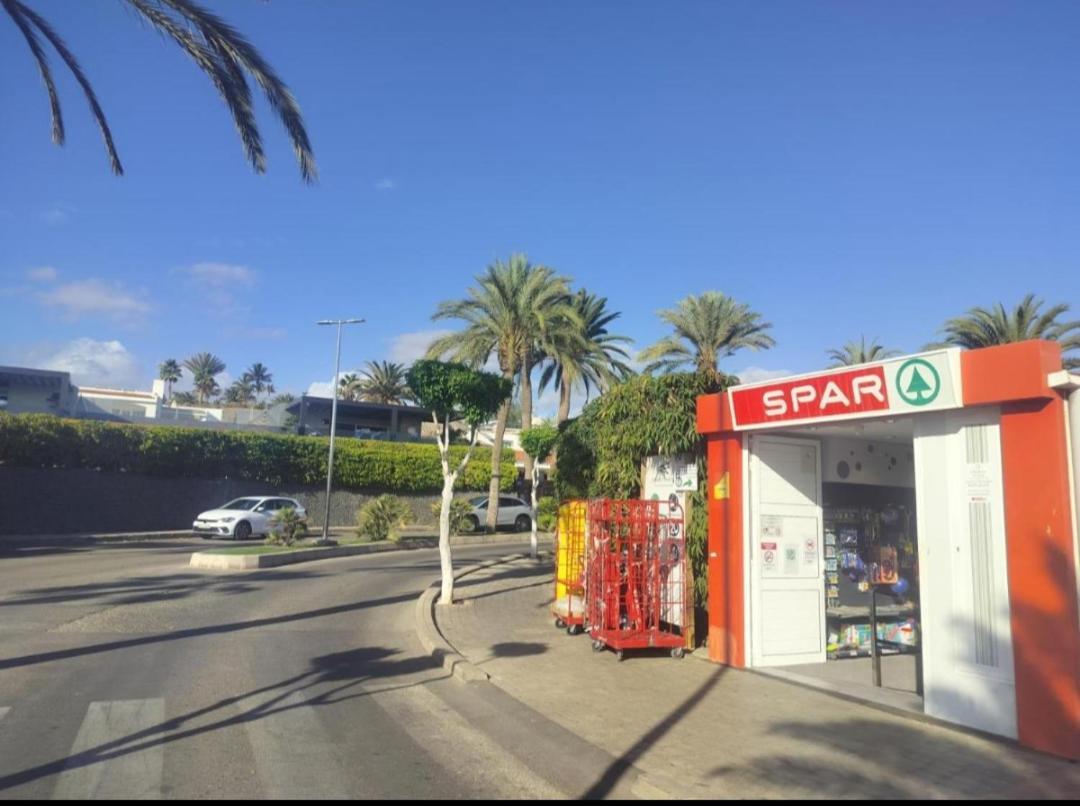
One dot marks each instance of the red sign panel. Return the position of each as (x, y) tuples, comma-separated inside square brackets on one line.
[(833, 395)]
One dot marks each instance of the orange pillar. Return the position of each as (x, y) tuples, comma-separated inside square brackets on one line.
[(727, 639), (1043, 608), (1042, 581)]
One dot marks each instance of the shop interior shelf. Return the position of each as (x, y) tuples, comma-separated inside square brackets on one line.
[(863, 611)]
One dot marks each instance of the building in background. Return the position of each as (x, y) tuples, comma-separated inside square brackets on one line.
[(360, 420), (36, 391)]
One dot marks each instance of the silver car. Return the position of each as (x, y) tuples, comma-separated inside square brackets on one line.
[(244, 517), (512, 512)]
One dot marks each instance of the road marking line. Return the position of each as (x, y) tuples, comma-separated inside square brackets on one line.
[(443, 733), (114, 772), (4, 711), (291, 749)]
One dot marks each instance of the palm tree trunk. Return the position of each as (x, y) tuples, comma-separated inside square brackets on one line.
[(564, 400), (496, 461), (526, 408)]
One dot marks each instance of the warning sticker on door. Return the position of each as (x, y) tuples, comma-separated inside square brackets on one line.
[(772, 526), (768, 558)]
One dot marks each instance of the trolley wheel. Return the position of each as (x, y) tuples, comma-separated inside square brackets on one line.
[(619, 656), (559, 623), (597, 646), (677, 652), (573, 629)]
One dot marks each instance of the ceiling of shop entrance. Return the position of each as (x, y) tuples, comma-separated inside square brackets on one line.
[(898, 429)]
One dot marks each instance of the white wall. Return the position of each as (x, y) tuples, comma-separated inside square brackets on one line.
[(863, 461)]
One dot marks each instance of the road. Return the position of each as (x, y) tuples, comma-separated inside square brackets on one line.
[(124, 673)]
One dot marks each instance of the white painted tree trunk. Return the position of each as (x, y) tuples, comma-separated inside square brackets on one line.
[(535, 482), (445, 560)]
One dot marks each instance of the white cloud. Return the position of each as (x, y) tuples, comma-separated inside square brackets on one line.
[(408, 347), (97, 363), (386, 184), (758, 374), (42, 274), (217, 284), (220, 275), (267, 333), (94, 296), (57, 214)]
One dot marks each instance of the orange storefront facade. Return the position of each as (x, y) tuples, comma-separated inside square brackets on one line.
[(980, 444)]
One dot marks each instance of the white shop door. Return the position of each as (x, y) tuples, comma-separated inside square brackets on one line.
[(786, 567), (968, 674)]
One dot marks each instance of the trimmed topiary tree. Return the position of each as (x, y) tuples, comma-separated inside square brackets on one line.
[(538, 443), (454, 392)]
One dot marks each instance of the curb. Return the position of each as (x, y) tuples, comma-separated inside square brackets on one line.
[(246, 562), (432, 639)]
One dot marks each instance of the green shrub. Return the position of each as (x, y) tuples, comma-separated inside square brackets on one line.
[(460, 515), (547, 513), (44, 440), (381, 517), (287, 527), (601, 451)]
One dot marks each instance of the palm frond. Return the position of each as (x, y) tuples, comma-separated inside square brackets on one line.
[(73, 65), (222, 72), (232, 47), (34, 43)]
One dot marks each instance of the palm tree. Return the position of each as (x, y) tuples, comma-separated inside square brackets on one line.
[(169, 371), (980, 327), (240, 393), (384, 382), (591, 358), (260, 378), (218, 49), (349, 386), (708, 328), (860, 352), (203, 367), (514, 312), (185, 399), (284, 397)]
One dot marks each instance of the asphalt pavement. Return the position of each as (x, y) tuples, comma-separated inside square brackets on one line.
[(124, 673)]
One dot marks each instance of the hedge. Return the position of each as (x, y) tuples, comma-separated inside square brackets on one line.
[(44, 440)]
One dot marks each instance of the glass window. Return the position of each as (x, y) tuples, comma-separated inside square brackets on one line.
[(241, 503), (509, 502)]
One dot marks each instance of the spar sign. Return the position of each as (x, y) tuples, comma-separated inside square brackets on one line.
[(914, 383)]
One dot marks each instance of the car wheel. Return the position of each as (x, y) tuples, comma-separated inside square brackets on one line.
[(242, 531), (472, 524), (522, 523)]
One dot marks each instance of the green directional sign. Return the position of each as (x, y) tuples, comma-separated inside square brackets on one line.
[(918, 382)]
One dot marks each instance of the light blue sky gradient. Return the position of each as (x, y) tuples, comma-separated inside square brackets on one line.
[(846, 168)]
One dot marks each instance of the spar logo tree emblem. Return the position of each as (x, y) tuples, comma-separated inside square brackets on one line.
[(918, 382)]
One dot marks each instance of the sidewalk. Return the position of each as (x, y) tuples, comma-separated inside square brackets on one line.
[(698, 730)]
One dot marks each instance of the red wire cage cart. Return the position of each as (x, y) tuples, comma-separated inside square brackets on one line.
[(636, 577)]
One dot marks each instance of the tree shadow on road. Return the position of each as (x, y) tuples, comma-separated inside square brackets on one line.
[(151, 588), (349, 669), (216, 629)]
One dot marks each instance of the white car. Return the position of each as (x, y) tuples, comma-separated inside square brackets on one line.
[(244, 517), (512, 512)]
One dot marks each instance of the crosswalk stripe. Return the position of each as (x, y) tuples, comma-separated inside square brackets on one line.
[(444, 734), (291, 748), (112, 772)]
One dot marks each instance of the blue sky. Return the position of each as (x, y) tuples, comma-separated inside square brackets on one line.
[(845, 168)]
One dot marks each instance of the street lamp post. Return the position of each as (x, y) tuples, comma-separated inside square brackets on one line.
[(333, 419)]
